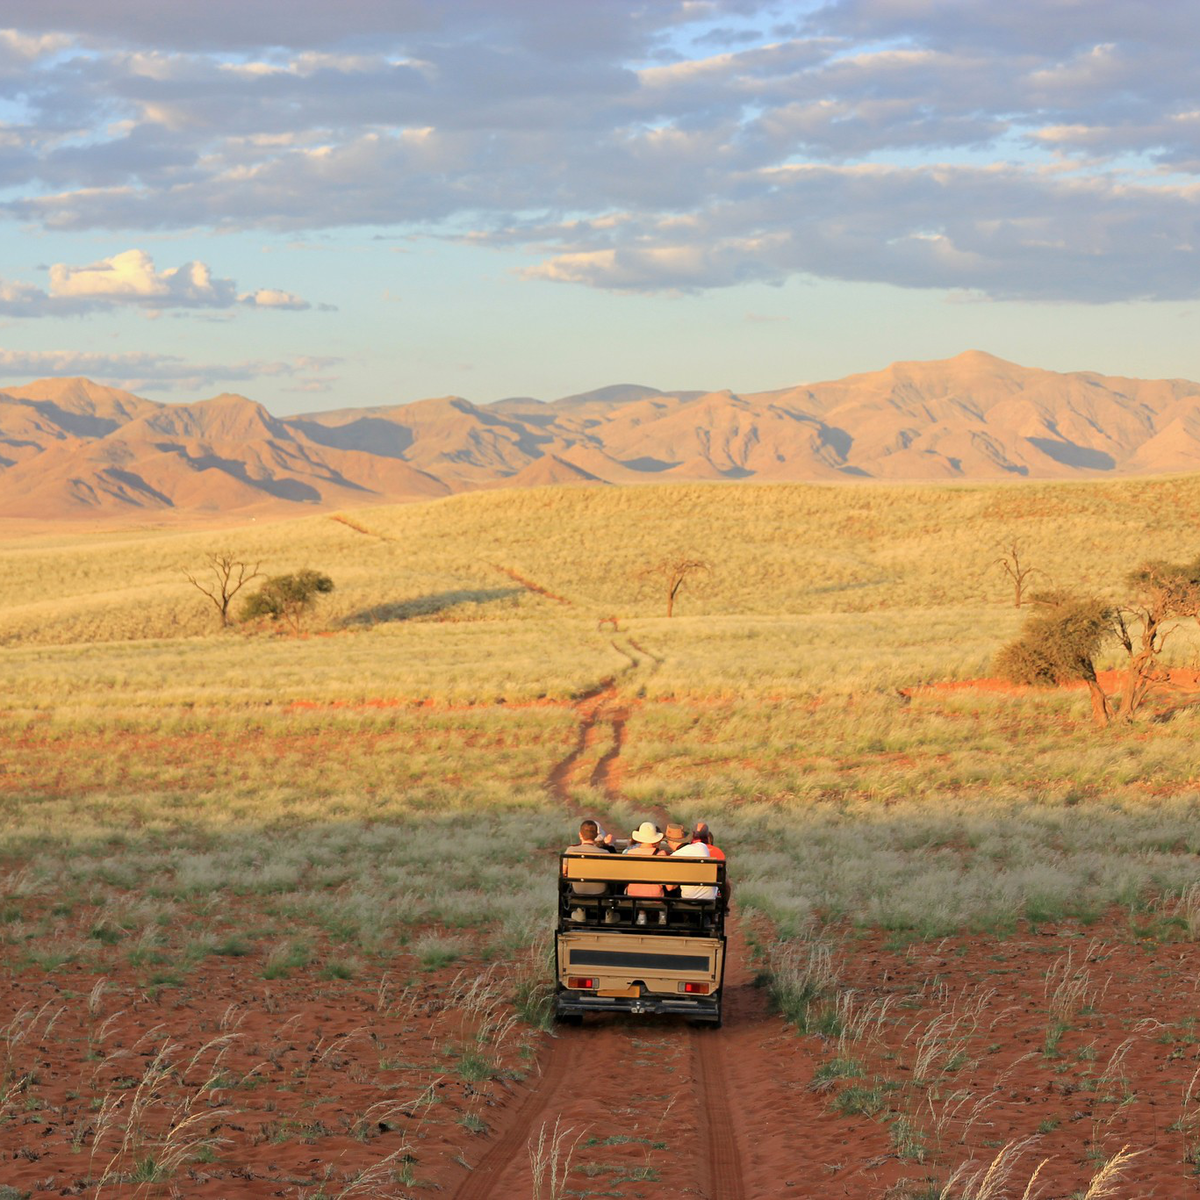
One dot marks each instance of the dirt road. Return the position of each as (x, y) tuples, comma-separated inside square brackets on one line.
[(655, 1107)]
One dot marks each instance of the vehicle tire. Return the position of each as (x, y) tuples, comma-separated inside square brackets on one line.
[(575, 1019)]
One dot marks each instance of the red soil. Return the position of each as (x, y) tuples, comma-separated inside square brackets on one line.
[(530, 586), (318, 1079), (388, 702), (1110, 681)]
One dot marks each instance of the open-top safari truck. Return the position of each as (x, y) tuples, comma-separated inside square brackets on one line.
[(640, 954)]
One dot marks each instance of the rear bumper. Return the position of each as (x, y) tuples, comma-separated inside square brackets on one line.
[(700, 1008)]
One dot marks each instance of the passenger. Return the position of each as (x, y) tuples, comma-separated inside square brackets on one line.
[(695, 891), (675, 837), (702, 833), (604, 840), (587, 844), (647, 840), (591, 839)]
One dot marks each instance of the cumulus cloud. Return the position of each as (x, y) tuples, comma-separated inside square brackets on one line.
[(26, 48), (161, 372), (131, 278), (1037, 148), (273, 298)]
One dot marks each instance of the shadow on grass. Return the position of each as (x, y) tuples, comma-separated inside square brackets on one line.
[(429, 606)]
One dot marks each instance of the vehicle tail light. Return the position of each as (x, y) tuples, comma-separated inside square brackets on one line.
[(580, 981), (698, 988)]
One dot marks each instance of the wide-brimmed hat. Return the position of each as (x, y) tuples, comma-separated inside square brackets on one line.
[(647, 832), (676, 833)]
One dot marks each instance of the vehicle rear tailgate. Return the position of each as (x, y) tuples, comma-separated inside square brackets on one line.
[(617, 962)]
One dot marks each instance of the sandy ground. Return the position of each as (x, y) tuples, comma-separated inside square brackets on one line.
[(307, 1084)]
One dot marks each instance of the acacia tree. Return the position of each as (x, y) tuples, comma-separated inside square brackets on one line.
[(1164, 594), (1020, 573), (221, 578), (1058, 644), (286, 598), (670, 574)]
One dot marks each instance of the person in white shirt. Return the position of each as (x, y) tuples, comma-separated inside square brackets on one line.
[(695, 891)]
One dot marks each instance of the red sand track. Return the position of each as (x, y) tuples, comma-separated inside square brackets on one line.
[(559, 1067), (655, 1109), (1180, 678)]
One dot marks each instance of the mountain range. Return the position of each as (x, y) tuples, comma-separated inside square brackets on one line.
[(74, 448)]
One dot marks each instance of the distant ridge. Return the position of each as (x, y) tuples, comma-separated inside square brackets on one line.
[(74, 448)]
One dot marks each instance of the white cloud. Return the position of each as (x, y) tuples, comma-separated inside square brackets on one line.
[(161, 372), (132, 279), (996, 230), (29, 48), (273, 298)]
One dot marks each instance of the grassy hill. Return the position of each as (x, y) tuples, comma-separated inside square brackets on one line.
[(775, 550)]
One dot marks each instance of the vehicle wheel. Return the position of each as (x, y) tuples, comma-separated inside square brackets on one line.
[(575, 1019)]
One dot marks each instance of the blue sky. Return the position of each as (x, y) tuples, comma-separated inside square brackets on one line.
[(366, 203)]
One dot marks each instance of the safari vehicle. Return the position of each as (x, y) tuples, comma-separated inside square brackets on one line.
[(630, 954)]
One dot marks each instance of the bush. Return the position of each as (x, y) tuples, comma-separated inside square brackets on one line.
[(1057, 645), (286, 598)]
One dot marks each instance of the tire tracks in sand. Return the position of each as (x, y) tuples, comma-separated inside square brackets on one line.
[(725, 1176), (717, 1156), (599, 707), (511, 1146), (735, 1106)]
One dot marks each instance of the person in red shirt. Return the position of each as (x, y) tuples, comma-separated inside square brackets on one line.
[(702, 833)]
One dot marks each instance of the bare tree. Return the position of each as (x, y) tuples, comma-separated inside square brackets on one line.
[(1020, 573), (1164, 594), (670, 574), (221, 578)]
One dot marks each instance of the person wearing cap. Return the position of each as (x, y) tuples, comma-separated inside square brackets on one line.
[(604, 840), (646, 842), (703, 833)]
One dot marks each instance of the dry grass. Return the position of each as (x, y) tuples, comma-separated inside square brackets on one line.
[(777, 550), (147, 751)]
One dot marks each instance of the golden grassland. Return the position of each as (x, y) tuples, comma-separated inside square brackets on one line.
[(147, 753), (778, 550)]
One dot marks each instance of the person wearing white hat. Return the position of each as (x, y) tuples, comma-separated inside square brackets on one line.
[(647, 839), (690, 891)]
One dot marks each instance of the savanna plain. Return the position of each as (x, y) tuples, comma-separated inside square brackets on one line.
[(275, 907)]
